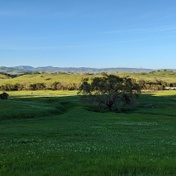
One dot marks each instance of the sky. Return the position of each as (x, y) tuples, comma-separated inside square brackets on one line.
[(88, 33)]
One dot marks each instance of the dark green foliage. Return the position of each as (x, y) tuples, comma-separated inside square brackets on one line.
[(37, 86), (110, 91), (154, 85), (56, 86), (4, 96)]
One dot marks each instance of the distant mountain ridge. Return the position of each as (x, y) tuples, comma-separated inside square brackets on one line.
[(25, 68)]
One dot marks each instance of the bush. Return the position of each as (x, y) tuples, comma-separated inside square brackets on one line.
[(4, 96)]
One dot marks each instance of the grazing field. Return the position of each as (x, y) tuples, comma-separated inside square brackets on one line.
[(51, 133), (49, 78)]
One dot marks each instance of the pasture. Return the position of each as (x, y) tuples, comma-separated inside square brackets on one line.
[(51, 133), (70, 78)]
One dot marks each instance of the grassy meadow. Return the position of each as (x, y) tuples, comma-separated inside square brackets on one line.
[(50, 78), (51, 133)]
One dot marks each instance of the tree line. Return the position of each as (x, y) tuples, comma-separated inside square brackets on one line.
[(39, 86), (154, 85), (143, 84)]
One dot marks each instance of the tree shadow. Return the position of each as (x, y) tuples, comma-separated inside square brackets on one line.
[(150, 103), (27, 106), (153, 104)]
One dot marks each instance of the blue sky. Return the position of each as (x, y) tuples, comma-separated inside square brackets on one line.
[(88, 33)]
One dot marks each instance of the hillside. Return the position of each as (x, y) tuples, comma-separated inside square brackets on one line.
[(71, 81), (50, 69)]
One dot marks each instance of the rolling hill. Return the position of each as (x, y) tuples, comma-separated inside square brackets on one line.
[(22, 69)]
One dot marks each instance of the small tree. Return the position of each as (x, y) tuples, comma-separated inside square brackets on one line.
[(4, 96), (110, 91)]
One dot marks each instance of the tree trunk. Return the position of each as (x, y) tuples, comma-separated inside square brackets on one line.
[(109, 106)]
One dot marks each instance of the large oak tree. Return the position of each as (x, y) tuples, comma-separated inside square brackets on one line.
[(110, 91)]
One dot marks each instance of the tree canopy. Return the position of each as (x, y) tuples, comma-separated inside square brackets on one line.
[(110, 91)]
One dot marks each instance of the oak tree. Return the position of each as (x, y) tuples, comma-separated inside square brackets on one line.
[(110, 91)]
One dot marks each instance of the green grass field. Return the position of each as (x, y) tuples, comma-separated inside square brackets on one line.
[(50, 133)]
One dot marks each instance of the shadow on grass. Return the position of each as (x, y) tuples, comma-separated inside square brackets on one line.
[(24, 106), (31, 106), (147, 104), (154, 104)]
